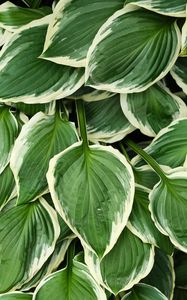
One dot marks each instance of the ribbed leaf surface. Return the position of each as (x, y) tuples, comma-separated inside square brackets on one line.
[(162, 275), (174, 8), (130, 41), (31, 79), (179, 72), (168, 207), (144, 292), (153, 109), (74, 24), (143, 226), (93, 191), (170, 146), (126, 264), (8, 134), (75, 283), (105, 120), (28, 234), (40, 139), (12, 17)]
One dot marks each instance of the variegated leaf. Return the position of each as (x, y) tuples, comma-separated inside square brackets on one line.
[(92, 189), (130, 41)]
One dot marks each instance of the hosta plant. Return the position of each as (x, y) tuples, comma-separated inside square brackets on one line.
[(93, 169)]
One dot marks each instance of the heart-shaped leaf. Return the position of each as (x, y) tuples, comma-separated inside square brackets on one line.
[(28, 234), (126, 264), (130, 41), (75, 23), (92, 189), (70, 283), (39, 140)]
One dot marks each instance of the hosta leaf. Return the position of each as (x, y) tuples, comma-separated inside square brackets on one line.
[(184, 38), (50, 265), (73, 27), (16, 296), (31, 109), (152, 109), (7, 185), (28, 234), (141, 224), (8, 134), (105, 119), (12, 17), (169, 147), (89, 94), (31, 79), (74, 283), (168, 207), (130, 41), (4, 36), (92, 189), (126, 264), (144, 292), (179, 72), (40, 139), (162, 275), (145, 176), (174, 8)]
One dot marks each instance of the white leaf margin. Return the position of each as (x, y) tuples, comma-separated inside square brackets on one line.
[(102, 34), (96, 271), (97, 289), (118, 226), (145, 128)]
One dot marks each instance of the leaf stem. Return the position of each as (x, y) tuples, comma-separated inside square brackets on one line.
[(70, 255), (147, 158), (81, 116), (124, 152)]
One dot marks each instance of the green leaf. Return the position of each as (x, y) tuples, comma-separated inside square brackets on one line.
[(92, 186), (40, 139), (8, 134), (175, 8), (184, 38), (144, 292), (12, 17), (16, 296), (145, 176), (69, 283), (31, 109), (50, 265), (168, 207), (153, 109), (5, 35), (28, 234), (89, 94), (106, 121), (162, 275), (126, 264), (179, 72), (169, 147), (75, 23), (7, 185), (130, 41), (31, 79), (141, 224)]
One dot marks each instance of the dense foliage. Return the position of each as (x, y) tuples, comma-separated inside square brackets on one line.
[(93, 169)]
